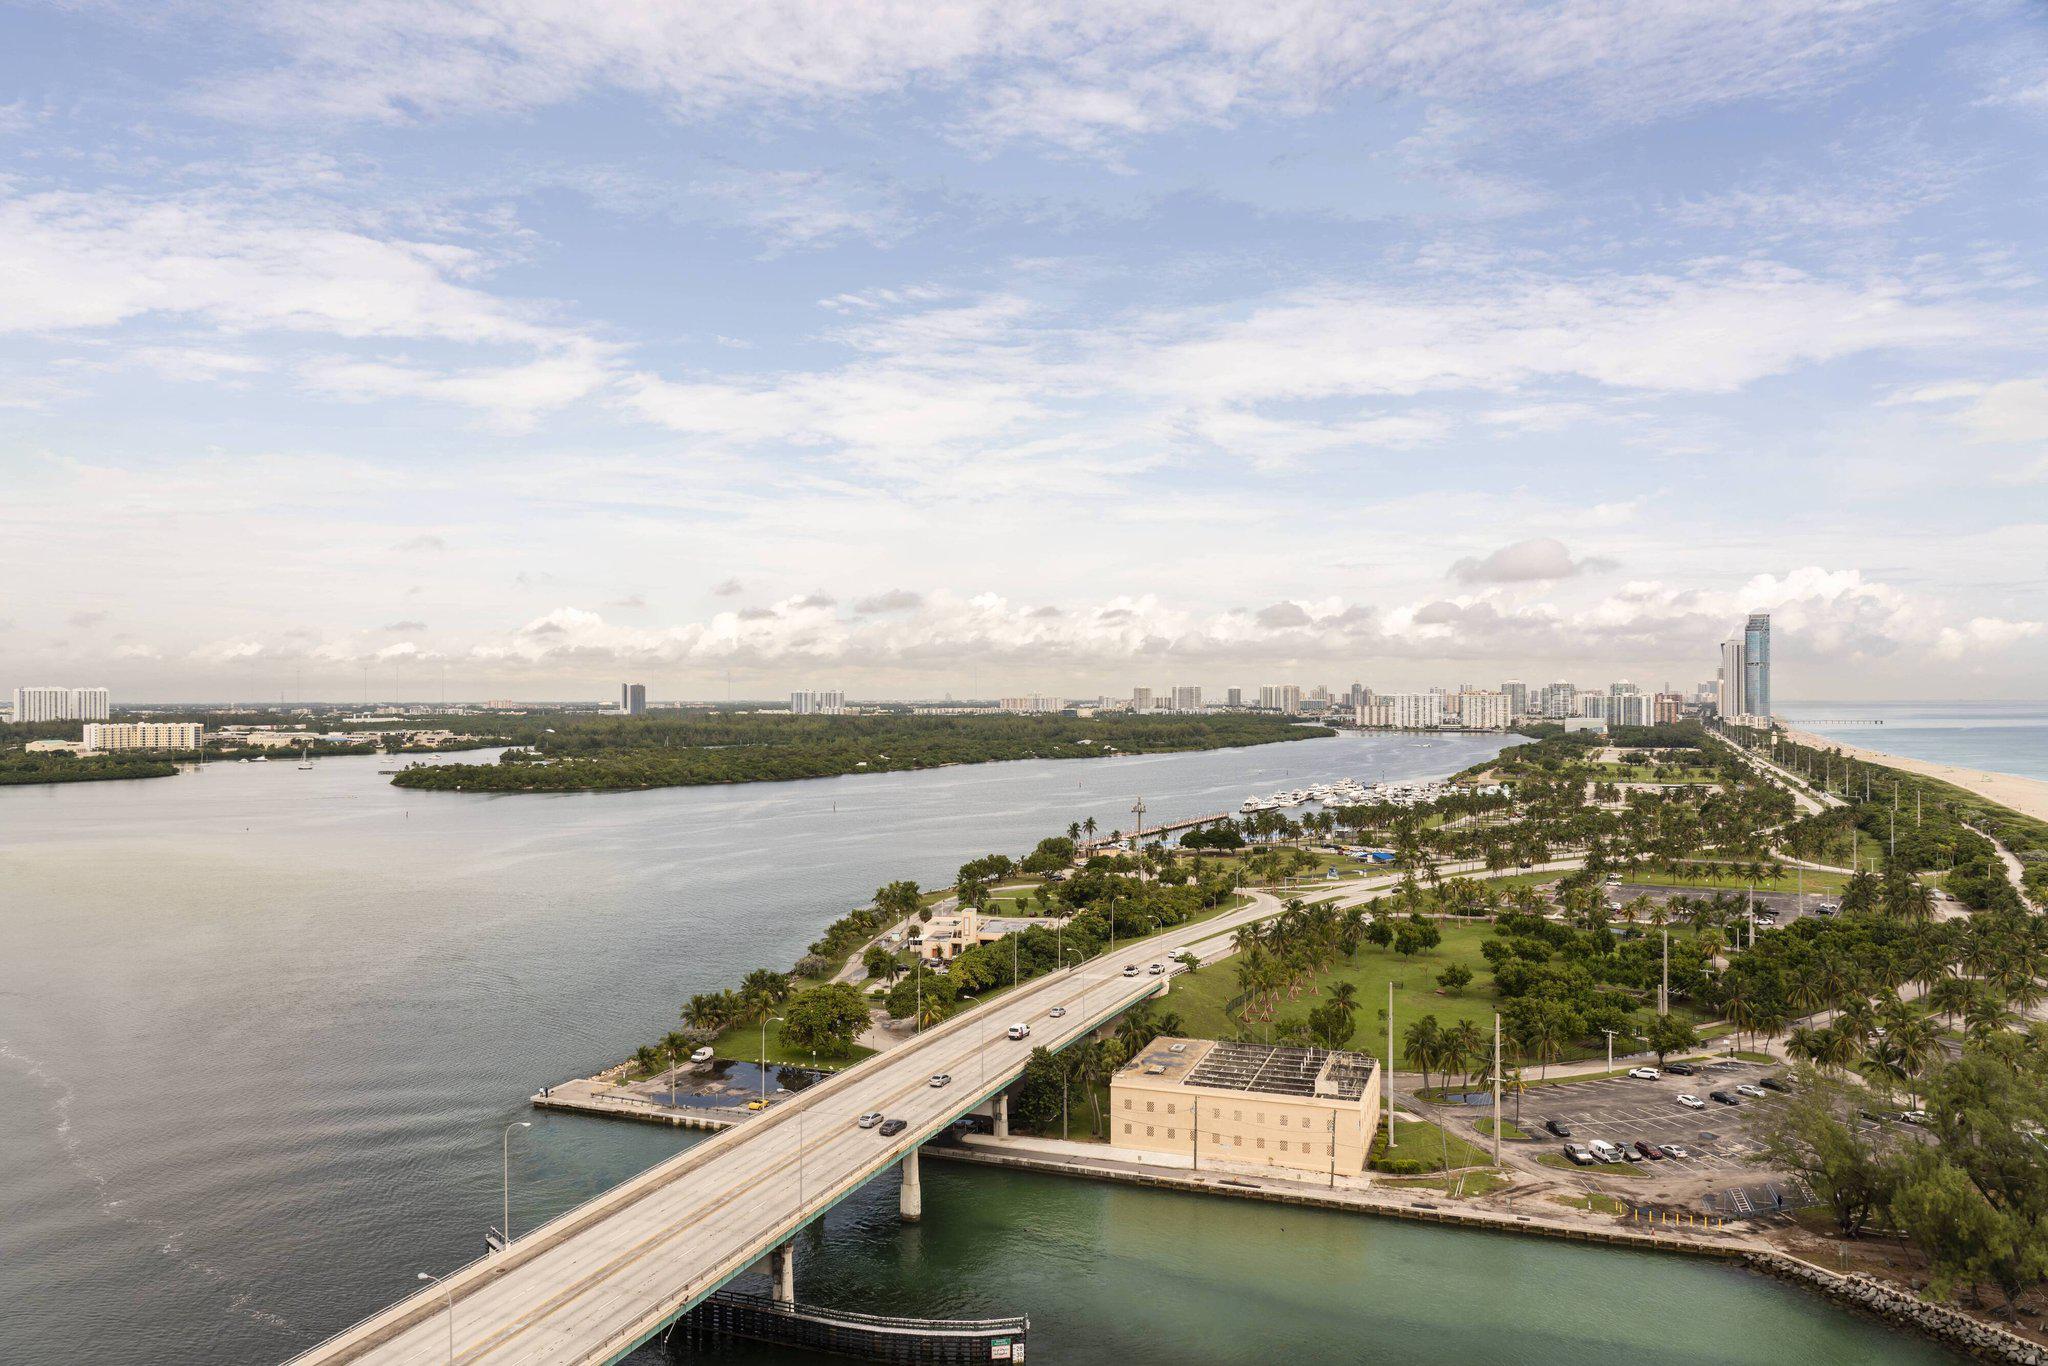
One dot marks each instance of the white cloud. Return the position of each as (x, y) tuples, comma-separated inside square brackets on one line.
[(1065, 72), (513, 396), (1543, 558)]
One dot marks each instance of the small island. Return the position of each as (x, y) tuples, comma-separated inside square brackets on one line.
[(611, 753)]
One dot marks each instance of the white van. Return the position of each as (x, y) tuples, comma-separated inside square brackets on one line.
[(1020, 1031), (701, 1056)]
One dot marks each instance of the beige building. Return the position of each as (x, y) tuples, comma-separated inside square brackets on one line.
[(1307, 1109), (105, 737)]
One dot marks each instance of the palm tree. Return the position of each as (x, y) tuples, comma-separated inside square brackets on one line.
[(1344, 995), (1421, 1045), (1089, 826)]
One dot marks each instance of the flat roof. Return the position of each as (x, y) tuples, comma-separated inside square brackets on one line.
[(1264, 1069)]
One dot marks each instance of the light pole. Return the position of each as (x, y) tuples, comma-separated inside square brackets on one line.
[(764, 1056), (505, 1151), (429, 1276), (1610, 1048)]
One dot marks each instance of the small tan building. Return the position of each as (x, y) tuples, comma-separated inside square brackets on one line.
[(1307, 1109)]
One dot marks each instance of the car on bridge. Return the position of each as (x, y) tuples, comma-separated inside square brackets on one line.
[(1019, 1031), (1130, 969), (870, 1119), (941, 1079), (1058, 1012), (893, 1127), (1156, 969)]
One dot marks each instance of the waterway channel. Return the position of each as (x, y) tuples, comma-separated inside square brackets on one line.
[(261, 1029)]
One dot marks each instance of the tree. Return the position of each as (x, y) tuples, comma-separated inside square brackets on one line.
[(1668, 1034), (825, 1019), (899, 900), (1808, 1135), (880, 964), (1454, 978), (1040, 1095)]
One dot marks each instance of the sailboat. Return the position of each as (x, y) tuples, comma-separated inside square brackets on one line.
[(305, 757)]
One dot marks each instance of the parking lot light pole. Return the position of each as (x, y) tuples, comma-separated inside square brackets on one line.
[(1610, 1048)]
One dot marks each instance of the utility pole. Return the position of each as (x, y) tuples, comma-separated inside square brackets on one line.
[(1138, 836), (1496, 1088), (1390, 1062), (1664, 991), (1610, 1048)]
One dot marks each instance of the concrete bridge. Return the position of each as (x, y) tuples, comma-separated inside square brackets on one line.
[(596, 1282)]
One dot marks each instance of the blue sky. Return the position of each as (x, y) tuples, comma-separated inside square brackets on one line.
[(517, 347)]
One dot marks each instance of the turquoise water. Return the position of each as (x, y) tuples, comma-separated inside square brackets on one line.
[(2004, 737)]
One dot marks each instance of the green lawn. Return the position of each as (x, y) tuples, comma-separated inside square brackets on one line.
[(1202, 1000), (1644, 773), (1416, 1138), (1508, 1131), (1462, 1185), (1711, 877), (742, 1043)]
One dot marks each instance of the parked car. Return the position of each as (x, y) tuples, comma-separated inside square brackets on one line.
[(1647, 1073), (1676, 1150), (1130, 969), (871, 1119), (893, 1127), (1058, 1012), (1558, 1127), (1754, 1092), (941, 1079), (1579, 1156), (1019, 1031), (1681, 1069), (757, 1105), (1604, 1150), (702, 1056), (1773, 1083), (1692, 1102), (1629, 1154), (1650, 1150), (1723, 1098)]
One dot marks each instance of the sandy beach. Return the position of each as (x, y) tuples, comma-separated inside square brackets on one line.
[(2029, 796)]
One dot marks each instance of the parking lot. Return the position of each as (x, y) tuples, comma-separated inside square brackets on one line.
[(1623, 1110)]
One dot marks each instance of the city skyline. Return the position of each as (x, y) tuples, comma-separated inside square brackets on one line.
[(996, 349)]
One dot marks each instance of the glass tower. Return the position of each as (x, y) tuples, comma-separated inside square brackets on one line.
[(1756, 664)]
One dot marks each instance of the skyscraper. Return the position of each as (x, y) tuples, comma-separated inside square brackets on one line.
[(60, 704), (1756, 665), (1187, 697), (1730, 702), (633, 698), (1517, 695)]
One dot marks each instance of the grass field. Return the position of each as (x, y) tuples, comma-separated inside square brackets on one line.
[(1202, 1001), (1508, 1131), (1718, 877), (742, 1043), (1646, 773), (1417, 1138)]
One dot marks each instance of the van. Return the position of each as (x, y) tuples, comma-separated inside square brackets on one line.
[(701, 1056), (1020, 1031)]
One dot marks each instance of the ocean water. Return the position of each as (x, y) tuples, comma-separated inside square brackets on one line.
[(2004, 737)]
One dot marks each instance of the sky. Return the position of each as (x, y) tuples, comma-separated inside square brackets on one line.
[(517, 348)]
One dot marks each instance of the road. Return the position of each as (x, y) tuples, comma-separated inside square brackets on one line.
[(589, 1285)]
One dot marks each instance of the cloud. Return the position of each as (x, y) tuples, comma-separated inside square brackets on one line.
[(423, 544), (632, 601), (895, 600), (86, 620), (2010, 413), (1063, 72), (400, 627), (1528, 561), (727, 588), (514, 396)]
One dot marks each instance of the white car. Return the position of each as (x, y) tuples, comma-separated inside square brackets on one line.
[(941, 1079), (871, 1119), (1130, 969), (1757, 1092), (1692, 1102), (1020, 1031), (1645, 1073), (1058, 1012), (1157, 969), (1912, 1116), (1678, 1150)]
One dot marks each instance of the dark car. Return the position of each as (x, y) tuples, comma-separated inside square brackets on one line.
[(1681, 1069), (1772, 1084), (893, 1127), (1558, 1127), (1724, 1097), (1649, 1150)]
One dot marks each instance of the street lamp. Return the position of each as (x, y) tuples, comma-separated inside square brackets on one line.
[(1610, 1048), (505, 1152), (764, 1055), (429, 1276)]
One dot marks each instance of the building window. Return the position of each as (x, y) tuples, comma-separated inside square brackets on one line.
[(1148, 1107), (1283, 1145), (1170, 1133), (1127, 1126), (1127, 1102), (1148, 1131), (1262, 1145)]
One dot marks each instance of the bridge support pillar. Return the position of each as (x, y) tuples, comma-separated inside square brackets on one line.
[(1002, 1108), (782, 1263), (911, 1200)]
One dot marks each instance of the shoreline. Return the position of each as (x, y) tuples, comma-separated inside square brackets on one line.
[(2028, 796)]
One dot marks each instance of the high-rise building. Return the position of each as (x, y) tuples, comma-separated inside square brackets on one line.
[(1485, 711), (1559, 701), (1233, 697), (60, 704), (1517, 693), (1729, 697), (102, 737), (830, 703), (1034, 705), (800, 704), (1415, 710), (1756, 665), (633, 698), (1141, 699), (1280, 697), (1669, 707), (1187, 697)]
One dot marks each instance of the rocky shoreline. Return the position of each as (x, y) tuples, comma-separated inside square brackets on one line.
[(1985, 1341)]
